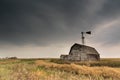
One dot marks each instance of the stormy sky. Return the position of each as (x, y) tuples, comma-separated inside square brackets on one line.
[(48, 28)]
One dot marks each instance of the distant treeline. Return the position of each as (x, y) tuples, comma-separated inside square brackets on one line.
[(10, 58)]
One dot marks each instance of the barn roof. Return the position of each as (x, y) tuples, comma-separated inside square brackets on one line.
[(88, 49)]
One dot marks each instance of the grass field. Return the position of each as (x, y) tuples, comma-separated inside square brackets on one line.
[(56, 69)]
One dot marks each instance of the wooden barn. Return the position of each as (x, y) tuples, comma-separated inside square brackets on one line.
[(80, 52)]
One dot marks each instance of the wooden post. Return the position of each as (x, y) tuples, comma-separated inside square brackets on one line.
[(83, 38)]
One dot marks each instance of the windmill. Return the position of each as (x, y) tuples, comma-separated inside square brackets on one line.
[(83, 38)]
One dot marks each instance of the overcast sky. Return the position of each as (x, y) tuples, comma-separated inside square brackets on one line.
[(48, 28)]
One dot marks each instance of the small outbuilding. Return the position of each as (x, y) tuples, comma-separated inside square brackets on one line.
[(80, 52)]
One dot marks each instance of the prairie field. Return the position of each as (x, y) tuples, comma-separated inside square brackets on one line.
[(56, 69)]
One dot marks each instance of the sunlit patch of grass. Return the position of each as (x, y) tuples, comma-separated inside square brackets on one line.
[(4, 70), (93, 72)]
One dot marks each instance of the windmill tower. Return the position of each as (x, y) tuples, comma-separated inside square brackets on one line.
[(83, 37)]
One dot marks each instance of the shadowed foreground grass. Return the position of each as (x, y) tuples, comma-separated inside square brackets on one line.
[(31, 69)]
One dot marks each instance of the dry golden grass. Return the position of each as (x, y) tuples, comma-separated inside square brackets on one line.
[(29, 69), (106, 72)]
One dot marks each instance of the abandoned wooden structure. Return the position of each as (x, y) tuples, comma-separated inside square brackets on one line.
[(80, 52)]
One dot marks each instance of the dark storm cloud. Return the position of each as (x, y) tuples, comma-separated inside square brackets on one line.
[(109, 15), (108, 35), (45, 22)]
